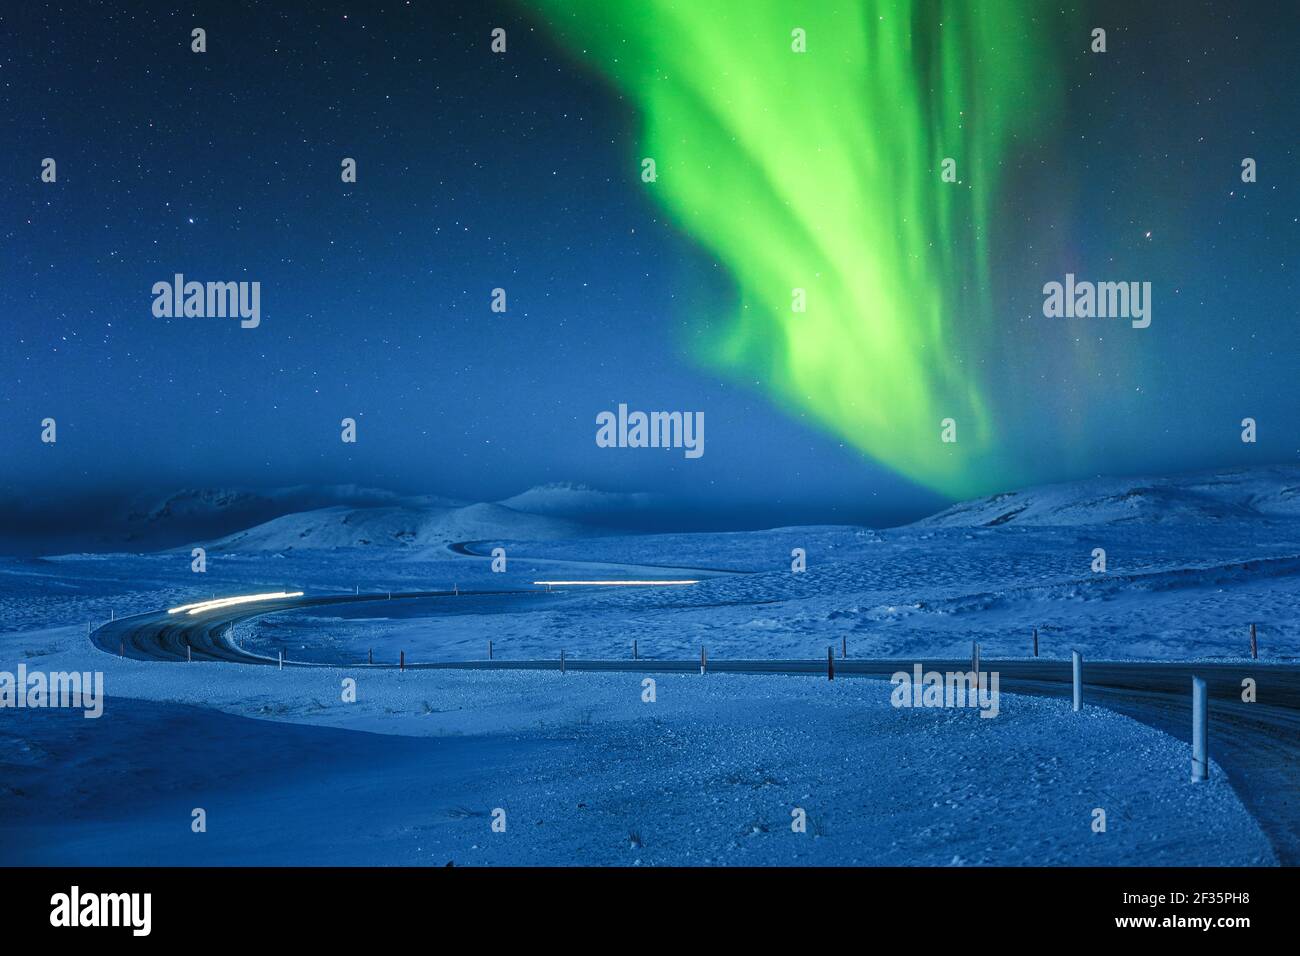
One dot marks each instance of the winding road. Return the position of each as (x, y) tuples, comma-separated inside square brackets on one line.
[(1257, 744)]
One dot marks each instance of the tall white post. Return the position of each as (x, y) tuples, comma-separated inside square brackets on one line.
[(1200, 732), (1078, 681)]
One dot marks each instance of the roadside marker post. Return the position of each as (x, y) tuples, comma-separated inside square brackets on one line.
[(370, 656), (401, 665), (704, 659), (975, 657), (1078, 681), (1254, 645), (1200, 732), (830, 663), (489, 648), (844, 646), (1035, 642), (635, 656), (189, 653), (281, 656), (562, 670)]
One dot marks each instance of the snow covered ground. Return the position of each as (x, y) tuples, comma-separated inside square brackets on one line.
[(708, 773), (587, 771)]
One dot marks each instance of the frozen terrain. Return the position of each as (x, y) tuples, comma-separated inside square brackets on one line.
[(587, 772), (709, 772)]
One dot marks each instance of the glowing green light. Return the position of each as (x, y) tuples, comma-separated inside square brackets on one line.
[(821, 171)]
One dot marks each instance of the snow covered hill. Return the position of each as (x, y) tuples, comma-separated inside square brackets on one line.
[(368, 519), (193, 513), (404, 526), (578, 502), (1209, 496)]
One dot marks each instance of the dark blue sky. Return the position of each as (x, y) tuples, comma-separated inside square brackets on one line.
[(478, 171)]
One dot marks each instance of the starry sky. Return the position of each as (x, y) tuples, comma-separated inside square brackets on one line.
[(522, 171)]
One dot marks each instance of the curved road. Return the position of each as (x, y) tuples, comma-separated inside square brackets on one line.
[(1257, 744)]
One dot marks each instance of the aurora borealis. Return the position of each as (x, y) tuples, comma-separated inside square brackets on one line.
[(820, 171)]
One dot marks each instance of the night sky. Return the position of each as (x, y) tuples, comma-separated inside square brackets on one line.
[(522, 171)]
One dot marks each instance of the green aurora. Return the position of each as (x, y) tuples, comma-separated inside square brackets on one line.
[(821, 171)]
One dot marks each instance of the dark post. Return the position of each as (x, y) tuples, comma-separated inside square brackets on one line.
[(1254, 645), (401, 665), (830, 664)]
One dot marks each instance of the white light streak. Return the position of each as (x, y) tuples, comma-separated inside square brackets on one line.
[(213, 605)]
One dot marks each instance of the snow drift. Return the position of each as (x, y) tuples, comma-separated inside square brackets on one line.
[(1210, 496)]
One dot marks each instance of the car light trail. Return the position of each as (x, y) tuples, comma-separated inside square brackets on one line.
[(617, 583), (212, 605)]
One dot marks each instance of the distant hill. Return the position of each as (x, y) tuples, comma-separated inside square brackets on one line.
[(579, 502), (405, 526), (301, 517), (1239, 494), (544, 513)]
